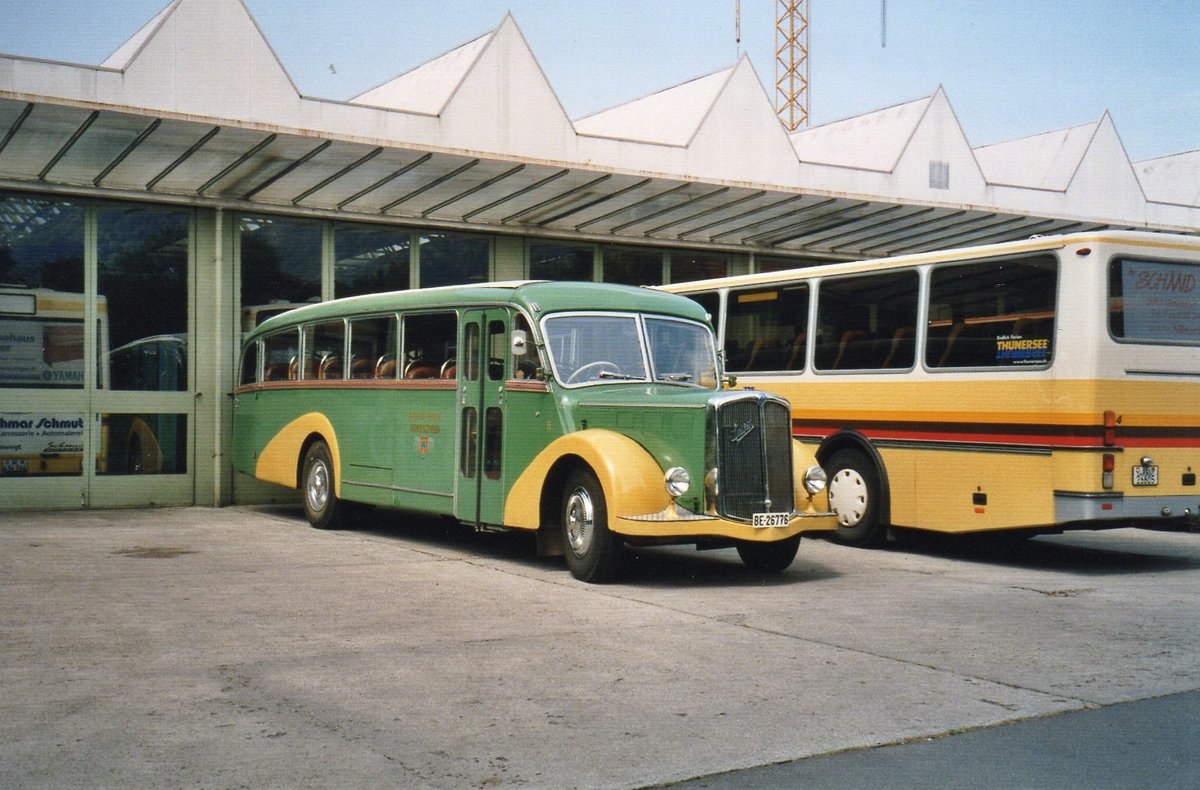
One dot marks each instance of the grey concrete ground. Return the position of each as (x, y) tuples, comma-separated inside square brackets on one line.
[(240, 648)]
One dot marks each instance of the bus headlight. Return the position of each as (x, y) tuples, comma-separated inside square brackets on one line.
[(677, 480), (815, 480)]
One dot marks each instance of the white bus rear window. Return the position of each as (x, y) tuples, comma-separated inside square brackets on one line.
[(1154, 301)]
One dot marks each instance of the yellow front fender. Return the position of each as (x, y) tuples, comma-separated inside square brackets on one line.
[(628, 474)]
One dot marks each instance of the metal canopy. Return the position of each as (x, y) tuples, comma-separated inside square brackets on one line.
[(135, 155)]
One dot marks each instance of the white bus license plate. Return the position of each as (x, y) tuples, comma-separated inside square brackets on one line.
[(1145, 475), (771, 519)]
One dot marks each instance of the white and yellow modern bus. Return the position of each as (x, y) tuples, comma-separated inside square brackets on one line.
[(1037, 386)]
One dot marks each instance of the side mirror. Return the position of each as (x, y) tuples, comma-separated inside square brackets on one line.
[(520, 343)]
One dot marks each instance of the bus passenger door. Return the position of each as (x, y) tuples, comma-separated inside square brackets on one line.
[(481, 375)]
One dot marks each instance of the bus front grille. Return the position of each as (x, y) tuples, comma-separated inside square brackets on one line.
[(753, 444)]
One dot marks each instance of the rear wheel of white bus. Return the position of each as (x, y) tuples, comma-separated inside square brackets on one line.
[(854, 495)]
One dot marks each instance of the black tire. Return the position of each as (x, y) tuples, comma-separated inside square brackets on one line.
[(770, 557), (856, 495), (593, 552), (321, 505)]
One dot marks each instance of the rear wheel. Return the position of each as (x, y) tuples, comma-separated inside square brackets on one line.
[(855, 495), (321, 505), (770, 557), (593, 552)]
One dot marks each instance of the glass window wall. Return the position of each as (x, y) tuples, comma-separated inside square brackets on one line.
[(454, 259), (142, 281), (370, 259), (633, 266), (41, 293), (552, 261)]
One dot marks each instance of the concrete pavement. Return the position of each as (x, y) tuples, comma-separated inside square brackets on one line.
[(240, 648)]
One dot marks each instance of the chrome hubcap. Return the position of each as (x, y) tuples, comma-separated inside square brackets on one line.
[(580, 517), (848, 497), (317, 489)]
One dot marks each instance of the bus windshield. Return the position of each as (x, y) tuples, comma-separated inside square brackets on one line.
[(600, 348)]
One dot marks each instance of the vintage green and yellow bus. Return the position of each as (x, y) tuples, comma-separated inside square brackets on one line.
[(1037, 385), (591, 414)]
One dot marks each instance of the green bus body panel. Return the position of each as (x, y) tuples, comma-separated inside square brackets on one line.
[(403, 443)]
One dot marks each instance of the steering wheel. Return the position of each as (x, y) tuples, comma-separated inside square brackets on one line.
[(578, 375)]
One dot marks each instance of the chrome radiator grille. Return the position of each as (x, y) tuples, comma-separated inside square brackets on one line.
[(753, 443)]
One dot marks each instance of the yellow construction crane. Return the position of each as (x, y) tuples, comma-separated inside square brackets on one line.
[(791, 63)]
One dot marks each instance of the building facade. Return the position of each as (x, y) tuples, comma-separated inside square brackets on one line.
[(155, 207)]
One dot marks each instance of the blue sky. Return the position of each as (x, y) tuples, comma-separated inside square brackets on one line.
[(1010, 68)]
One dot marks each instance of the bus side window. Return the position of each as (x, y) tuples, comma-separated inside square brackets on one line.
[(767, 329), (992, 314), (324, 345), (279, 355), (249, 373), (372, 346), (867, 322), (429, 345)]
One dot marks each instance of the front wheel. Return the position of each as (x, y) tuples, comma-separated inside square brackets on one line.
[(593, 552), (770, 557), (321, 505), (855, 495)]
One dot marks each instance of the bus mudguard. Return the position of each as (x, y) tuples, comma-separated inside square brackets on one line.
[(280, 459), (629, 475)]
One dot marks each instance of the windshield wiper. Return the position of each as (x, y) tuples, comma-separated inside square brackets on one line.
[(608, 374), (675, 377)]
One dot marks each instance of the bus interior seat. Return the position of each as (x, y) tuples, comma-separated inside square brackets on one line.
[(331, 367), (853, 349), (276, 372), (419, 369), (361, 368), (385, 367), (796, 359), (900, 353), (449, 369)]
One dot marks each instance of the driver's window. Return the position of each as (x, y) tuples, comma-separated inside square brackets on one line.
[(525, 366)]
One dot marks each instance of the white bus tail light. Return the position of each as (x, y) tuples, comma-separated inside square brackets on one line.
[(1109, 464)]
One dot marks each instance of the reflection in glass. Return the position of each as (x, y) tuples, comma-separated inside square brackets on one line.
[(142, 444), (560, 261), (142, 280), (687, 266), (41, 293), (633, 266), (452, 259), (281, 261), (370, 259)]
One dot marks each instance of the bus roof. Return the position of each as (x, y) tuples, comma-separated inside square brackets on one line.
[(537, 297), (1032, 244)]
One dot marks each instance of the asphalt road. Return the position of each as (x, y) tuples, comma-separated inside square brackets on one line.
[(240, 648)]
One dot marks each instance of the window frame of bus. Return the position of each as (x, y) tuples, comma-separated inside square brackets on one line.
[(734, 298), (839, 346), (993, 263), (1114, 274)]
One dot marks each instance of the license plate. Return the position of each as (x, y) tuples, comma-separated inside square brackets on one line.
[(1145, 475), (14, 466), (771, 519)]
